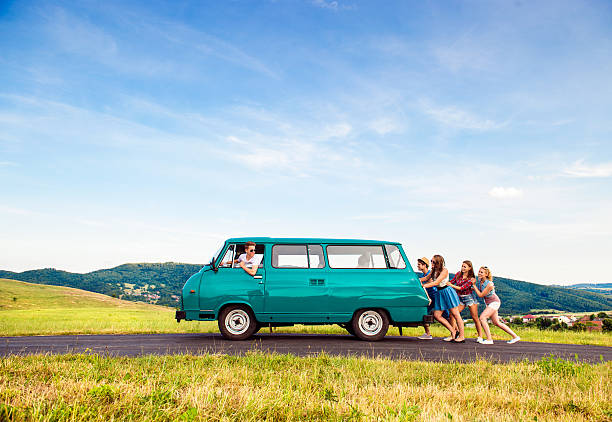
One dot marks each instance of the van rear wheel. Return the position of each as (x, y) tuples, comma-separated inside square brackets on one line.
[(370, 324), (237, 322)]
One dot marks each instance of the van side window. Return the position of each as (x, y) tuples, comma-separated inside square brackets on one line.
[(289, 256), (315, 256), (235, 250), (356, 256), (395, 257)]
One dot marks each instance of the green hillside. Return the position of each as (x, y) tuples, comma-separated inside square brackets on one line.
[(19, 295), (161, 284), (35, 309)]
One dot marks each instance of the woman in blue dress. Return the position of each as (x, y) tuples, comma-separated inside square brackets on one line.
[(446, 299)]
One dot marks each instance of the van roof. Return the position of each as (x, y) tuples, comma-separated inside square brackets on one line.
[(309, 240)]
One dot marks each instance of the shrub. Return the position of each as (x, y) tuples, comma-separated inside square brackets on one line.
[(517, 321), (602, 315), (579, 326), (606, 325)]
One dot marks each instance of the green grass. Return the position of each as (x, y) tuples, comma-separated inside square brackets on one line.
[(53, 310), (287, 388)]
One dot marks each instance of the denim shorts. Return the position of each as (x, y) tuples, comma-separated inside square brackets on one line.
[(468, 300)]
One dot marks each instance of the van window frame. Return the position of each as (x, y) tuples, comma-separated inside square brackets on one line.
[(309, 267), (387, 267), (305, 245)]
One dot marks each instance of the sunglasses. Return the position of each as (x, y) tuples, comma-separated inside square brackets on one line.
[(251, 250)]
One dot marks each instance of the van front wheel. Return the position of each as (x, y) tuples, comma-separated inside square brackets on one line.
[(237, 322), (370, 324)]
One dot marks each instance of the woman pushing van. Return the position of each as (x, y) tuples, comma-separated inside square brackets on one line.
[(447, 299), (462, 283), (485, 289)]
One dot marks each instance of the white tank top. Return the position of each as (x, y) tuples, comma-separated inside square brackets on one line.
[(444, 282)]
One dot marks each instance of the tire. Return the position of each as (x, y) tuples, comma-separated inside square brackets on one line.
[(370, 324), (237, 322)]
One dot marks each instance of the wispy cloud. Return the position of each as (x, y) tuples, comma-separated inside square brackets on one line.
[(458, 118), (581, 170), (329, 4), (505, 192)]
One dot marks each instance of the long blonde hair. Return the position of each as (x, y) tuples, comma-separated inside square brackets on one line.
[(487, 272)]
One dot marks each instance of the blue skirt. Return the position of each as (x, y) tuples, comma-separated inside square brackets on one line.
[(447, 299)]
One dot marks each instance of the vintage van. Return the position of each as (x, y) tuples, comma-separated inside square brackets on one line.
[(361, 285)]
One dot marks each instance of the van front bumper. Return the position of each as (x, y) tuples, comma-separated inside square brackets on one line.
[(180, 315)]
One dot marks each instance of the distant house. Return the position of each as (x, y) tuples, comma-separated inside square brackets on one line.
[(594, 325), (565, 319), (528, 318)]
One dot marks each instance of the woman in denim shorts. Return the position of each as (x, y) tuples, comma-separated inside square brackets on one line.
[(462, 283)]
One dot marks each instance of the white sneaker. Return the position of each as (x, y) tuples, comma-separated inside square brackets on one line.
[(514, 340), (449, 338), (425, 337), (479, 340), (486, 342)]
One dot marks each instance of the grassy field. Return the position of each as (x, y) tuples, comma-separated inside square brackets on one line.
[(286, 388), (34, 309)]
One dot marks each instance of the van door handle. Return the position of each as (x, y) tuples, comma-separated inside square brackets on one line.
[(257, 276)]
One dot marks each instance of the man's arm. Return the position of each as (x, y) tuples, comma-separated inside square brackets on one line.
[(251, 271)]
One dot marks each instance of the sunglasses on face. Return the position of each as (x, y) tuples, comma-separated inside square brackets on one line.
[(251, 250)]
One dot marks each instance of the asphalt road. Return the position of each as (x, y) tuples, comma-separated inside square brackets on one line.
[(394, 347)]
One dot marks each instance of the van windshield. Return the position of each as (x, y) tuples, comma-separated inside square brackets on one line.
[(216, 255)]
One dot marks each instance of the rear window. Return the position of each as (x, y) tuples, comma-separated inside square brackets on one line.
[(356, 256), (395, 257)]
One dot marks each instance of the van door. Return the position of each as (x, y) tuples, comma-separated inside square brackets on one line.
[(232, 284), (296, 285)]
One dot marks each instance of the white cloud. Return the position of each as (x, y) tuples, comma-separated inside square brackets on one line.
[(461, 119), (236, 140), (505, 193), (339, 130), (385, 125), (581, 170), (324, 4)]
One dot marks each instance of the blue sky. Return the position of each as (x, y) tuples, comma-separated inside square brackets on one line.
[(150, 132)]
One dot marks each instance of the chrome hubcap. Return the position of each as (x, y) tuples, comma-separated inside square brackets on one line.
[(237, 321), (370, 323)]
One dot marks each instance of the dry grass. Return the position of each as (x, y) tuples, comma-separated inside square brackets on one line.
[(283, 387)]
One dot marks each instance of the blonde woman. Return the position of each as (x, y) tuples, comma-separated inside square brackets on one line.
[(485, 289)]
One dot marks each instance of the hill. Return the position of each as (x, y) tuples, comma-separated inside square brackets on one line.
[(161, 284), (601, 288), (35, 309), (20, 295)]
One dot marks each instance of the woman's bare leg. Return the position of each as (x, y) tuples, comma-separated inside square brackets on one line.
[(483, 320), (438, 316), (455, 312), (496, 321), (453, 321), (474, 313)]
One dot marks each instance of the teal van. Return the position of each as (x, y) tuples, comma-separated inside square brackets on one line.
[(362, 285)]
